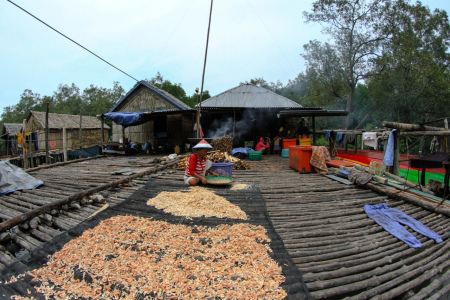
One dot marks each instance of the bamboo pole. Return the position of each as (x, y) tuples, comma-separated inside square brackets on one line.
[(102, 135), (64, 163), (204, 68), (81, 134), (429, 205), (64, 143), (31, 151), (24, 149), (426, 133), (411, 127), (47, 157), (396, 166)]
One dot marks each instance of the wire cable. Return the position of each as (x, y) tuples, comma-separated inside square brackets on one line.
[(71, 40)]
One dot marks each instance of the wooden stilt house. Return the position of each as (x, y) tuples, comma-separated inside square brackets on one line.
[(163, 119), (57, 124), (9, 135)]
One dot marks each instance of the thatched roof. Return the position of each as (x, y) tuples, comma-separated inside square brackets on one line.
[(173, 103), (59, 121), (11, 128)]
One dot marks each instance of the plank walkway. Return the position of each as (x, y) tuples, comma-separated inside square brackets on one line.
[(338, 249)]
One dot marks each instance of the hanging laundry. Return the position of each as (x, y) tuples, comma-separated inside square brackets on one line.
[(339, 138), (370, 139), (350, 138), (391, 218), (388, 159)]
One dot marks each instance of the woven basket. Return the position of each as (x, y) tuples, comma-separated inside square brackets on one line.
[(219, 180)]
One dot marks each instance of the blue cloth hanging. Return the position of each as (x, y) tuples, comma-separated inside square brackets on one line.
[(388, 159), (391, 218), (328, 134), (339, 137)]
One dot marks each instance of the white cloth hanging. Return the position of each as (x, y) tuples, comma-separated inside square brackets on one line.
[(370, 139)]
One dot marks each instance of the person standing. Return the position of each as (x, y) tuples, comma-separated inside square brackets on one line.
[(276, 145)]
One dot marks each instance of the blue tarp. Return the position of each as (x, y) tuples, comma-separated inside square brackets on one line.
[(127, 118), (13, 178), (86, 152), (240, 150)]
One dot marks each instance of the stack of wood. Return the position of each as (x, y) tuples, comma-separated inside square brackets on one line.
[(241, 165), (182, 163), (223, 144), (218, 157)]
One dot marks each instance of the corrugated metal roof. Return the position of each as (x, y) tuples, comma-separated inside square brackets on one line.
[(250, 96), (57, 121), (11, 128)]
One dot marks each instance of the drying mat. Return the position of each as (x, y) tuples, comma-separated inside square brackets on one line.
[(249, 200)]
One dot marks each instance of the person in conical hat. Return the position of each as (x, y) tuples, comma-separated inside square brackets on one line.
[(198, 166)]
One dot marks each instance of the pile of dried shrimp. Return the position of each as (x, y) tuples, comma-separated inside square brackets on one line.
[(127, 257), (196, 202)]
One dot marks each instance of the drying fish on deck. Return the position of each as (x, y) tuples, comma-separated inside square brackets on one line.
[(127, 257), (196, 202)]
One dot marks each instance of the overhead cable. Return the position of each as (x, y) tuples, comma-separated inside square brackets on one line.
[(72, 40)]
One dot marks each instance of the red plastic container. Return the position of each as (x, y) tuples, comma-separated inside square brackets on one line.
[(299, 158), (289, 142)]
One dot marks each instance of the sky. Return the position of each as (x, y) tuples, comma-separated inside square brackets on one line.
[(248, 39)]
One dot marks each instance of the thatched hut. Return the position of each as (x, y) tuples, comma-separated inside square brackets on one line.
[(9, 134), (159, 117), (91, 130)]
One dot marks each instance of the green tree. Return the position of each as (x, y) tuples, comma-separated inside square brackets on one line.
[(16, 113), (100, 100), (413, 70), (354, 28), (326, 70), (192, 100), (175, 89), (67, 100)]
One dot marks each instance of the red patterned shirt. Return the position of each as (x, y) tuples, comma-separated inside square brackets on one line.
[(195, 166)]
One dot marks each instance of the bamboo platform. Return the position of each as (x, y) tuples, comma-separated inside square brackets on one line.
[(338, 249), (341, 253), (72, 192)]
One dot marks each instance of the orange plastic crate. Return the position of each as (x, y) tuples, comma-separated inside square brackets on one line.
[(299, 158), (289, 142)]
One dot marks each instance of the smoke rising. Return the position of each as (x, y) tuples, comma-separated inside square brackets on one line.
[(251, 120)]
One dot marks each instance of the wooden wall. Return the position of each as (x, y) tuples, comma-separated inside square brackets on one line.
[(90, 137), (178, 127), (145, 101), (140, 133)]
